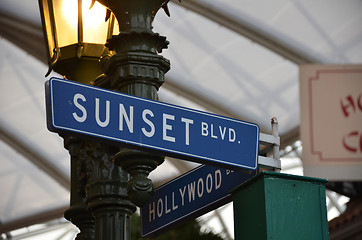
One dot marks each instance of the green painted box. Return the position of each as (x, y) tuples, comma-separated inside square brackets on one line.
[(280, 206)]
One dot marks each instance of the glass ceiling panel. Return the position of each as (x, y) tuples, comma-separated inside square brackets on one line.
[(25, 189), (171, 97), (223, 66), (27, 10), (22, 104), (330, 30)]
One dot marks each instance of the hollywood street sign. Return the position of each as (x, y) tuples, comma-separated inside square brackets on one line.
[(145, 124), (198, 191)]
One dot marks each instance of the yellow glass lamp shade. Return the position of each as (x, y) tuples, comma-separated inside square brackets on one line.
[(75, 33)]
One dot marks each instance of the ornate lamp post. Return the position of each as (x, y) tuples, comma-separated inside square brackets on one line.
[(107, 180), (136, 69), (75, 37)]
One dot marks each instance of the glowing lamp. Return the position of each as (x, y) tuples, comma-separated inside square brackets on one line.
[(75, 32)]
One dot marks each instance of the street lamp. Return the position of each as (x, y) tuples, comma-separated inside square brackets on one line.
[(75, 32), (107, 180)]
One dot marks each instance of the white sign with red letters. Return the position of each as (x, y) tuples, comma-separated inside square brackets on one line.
[(331, 121)]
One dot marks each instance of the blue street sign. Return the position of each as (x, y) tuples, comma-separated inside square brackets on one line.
[(196, 192), (150, 125)]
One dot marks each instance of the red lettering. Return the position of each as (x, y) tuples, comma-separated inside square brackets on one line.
[(352, 144), (360, 102), (348, 105)]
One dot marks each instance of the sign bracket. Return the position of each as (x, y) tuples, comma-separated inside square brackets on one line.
[(271, 140)]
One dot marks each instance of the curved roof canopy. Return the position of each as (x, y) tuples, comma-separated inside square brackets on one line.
[(231, 57)]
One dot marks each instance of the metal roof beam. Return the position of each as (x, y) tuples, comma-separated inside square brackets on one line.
[(23, 34), (33, 219), (248, 30), (34, 157)]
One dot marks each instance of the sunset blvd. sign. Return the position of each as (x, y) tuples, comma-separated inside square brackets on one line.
[(150, 125), (196, 192)]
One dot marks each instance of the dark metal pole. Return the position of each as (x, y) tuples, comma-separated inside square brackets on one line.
[(78, 213), (136, 69), (106, 193), (108, 181), (84, 70)]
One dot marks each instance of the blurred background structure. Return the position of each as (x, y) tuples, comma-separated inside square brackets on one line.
[(234, 58)]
